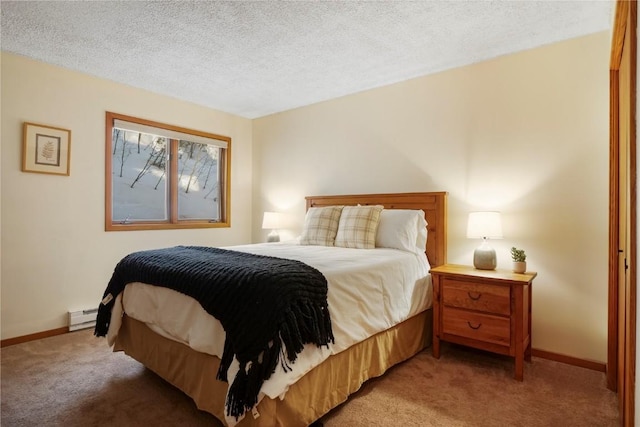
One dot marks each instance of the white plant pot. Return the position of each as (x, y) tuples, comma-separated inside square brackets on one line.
[(519, 267)]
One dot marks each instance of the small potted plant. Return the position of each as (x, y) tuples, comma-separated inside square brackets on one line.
[(518, 256)]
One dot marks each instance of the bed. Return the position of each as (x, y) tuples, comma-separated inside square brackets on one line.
[(313, 388)]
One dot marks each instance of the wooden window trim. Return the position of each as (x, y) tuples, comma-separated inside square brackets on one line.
[(173, 222)]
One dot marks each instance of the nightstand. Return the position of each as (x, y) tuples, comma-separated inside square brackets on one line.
[(485, 309)]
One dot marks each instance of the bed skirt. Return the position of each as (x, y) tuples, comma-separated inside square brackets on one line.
[(320, 390)]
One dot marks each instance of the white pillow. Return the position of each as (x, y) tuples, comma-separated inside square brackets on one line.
[(421, 243), (320, 226), (358, 227), (404, 229)]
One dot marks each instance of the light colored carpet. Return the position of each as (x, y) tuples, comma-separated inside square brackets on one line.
[(75, 380)]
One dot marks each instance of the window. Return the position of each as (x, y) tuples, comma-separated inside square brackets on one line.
[(160, 176)]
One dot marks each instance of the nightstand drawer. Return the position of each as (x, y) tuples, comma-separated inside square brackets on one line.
[(477, 326), (476, 296)]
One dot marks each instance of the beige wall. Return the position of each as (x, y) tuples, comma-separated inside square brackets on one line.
[(56, 255), (526, 134)]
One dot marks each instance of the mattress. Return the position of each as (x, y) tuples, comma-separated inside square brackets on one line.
[(369, 291)]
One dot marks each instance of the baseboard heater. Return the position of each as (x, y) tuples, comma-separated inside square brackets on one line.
[(82, 319)]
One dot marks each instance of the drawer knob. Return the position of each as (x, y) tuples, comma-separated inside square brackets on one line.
[(474, 327), (474, 296)]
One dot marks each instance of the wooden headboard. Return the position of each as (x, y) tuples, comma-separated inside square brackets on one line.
[(434, 206)]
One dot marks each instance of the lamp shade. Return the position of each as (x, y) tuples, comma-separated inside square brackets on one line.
[(271, 220), (484, 225)]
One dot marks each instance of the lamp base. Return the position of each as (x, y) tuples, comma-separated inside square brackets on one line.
[(273, 237), (484, 257)]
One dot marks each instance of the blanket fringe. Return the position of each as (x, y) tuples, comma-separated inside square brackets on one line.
[(303, 324), (244, 390)]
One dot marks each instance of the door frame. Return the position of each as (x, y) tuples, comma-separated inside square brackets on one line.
[(625, 19)]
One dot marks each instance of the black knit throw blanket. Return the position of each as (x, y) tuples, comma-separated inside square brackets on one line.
[(262, 303)]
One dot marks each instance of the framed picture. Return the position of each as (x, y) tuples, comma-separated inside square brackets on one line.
[(45, 149)]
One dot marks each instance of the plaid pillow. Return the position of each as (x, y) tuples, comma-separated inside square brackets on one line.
[(358, 226), (320, 226)]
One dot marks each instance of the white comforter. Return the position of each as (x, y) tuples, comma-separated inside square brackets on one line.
[(369, 290)]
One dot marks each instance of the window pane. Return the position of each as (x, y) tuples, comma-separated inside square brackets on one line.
[(198, 181), (139, 176)]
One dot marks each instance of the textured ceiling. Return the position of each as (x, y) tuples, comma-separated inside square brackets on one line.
[(257, 58)]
